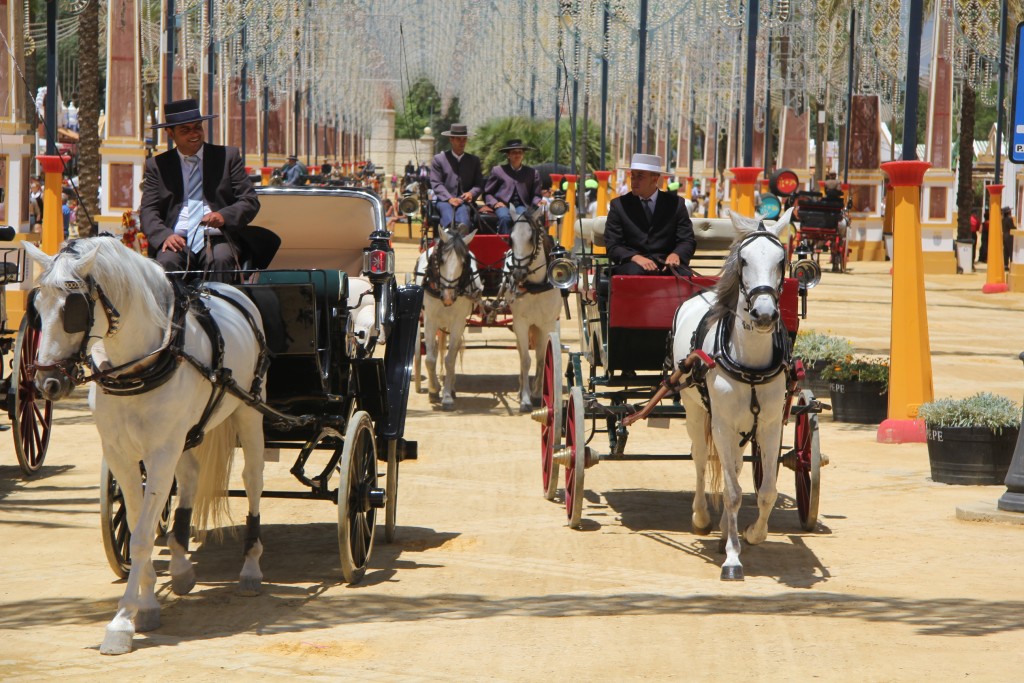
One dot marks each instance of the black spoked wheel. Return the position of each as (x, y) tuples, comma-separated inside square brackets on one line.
[(31, 414), (117, 535), (391, 511), (358, 497), (575, 444)]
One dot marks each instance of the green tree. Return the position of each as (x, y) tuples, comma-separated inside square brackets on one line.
[(539, 134), (965, 189), (422, 105)]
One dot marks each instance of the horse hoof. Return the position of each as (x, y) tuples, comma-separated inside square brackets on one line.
[(183, 584), (525, 408), (249, 587), (732, 573), (434, 396), (147, 619), (116, 643), (701, 530), (448, 405)]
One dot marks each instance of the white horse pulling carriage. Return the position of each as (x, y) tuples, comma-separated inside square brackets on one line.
[(280, 362), (729, 360)]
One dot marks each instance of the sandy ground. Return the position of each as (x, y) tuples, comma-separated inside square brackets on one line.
[(485, 581)]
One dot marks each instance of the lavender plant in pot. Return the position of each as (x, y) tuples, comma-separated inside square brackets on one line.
[(817, 350)]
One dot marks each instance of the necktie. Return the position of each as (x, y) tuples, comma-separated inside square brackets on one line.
[(649, 210), (194, 197)]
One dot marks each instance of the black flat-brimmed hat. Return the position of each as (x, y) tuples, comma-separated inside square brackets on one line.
[(515, 144), (180, 112), (458, 130)]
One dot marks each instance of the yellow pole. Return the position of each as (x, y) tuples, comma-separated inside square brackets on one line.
[(741, 189), (568, 234), (602, 202), (712, 211), (689, 186), (995, 275), (53, 214), (910, 361), (265, 173)]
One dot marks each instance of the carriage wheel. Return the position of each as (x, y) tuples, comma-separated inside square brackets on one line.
[(576, 444), (417, 359), (358, 497), (390, 512), (551, 402), (31, 415), (758, 468), (808, 464), (117, 535)]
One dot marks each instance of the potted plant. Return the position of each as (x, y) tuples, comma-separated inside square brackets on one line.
[(817, 350), (971, 440), (859, 387)]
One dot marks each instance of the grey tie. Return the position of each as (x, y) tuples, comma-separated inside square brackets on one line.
[(194, 197), (649, 209)]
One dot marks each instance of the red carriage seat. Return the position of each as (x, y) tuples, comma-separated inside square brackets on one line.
[(489, 251)]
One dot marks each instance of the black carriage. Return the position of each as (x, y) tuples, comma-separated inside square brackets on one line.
[(624, 325), (31, 415), (821, 221), (338, 381)]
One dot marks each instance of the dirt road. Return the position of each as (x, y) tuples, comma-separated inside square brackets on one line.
[(485, 582)]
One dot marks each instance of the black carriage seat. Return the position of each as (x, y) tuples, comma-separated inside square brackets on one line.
[(303, 316), (815, 211)]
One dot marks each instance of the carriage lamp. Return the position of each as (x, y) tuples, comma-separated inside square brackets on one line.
[(562, 269), (409, 205), (378, 262), (558, 206), (806, 272)]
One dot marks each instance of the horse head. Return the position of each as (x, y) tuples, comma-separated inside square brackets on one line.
[(756, 270), (526, 239), (453, 263), (61, 308)]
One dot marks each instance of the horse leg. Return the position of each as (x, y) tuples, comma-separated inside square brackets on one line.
[(695, 420), (249, 424), (522, 330), (769, 440), (430, 356), (183, 574), (729, 452), (456, 331), (138, 608)]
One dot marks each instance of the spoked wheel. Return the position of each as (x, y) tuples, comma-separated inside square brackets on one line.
[(808, 464), (117, 534), (358, 496), (390, 511), (417, 358), (576, 446), (758, 468), (551, 403), (31, 414)]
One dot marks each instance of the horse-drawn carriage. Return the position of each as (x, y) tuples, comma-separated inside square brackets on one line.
[(31, 415), (821, 220), (725, 352), (310, 358)]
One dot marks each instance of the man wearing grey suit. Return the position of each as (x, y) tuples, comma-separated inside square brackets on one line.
[(512, 187), (456, 178), (195, 197)]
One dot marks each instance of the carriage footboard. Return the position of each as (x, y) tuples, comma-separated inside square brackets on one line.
[(398, 357)]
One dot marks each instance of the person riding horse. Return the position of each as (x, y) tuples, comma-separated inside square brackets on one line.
[(456, 178), (512, 187)]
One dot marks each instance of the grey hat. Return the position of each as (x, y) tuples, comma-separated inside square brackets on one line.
[(457, 130)]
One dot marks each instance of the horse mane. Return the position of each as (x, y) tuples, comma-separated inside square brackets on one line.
[(727, 290), (125, 275)]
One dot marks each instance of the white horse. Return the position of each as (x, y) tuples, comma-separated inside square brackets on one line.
[(534, 302), (747, 386), (101, 305), (447, 272)]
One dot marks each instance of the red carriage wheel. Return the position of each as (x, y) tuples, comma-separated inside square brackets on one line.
[(31, 414), (576, 446), (551, 404), (808, 464)]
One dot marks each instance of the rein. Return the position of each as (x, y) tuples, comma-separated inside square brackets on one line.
[(434, 283), (519, 268)]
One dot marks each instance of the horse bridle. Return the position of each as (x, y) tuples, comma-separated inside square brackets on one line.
[(77, 317), (767, 290), (433, 277), (519, 268)]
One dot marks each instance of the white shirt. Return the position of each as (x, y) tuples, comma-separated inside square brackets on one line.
[(181, 227)]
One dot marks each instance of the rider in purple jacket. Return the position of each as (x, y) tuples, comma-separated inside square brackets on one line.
[(512, 187), (456, 178)]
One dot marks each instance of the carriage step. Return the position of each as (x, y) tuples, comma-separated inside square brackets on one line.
[(815, 407)]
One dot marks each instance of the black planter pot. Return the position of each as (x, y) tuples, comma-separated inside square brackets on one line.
[(813, 380), (859, 402), (970, 455)]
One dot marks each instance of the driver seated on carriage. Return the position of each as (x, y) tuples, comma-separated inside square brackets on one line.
[(196, 198), (456, 178), (648, 231), (512, 189)]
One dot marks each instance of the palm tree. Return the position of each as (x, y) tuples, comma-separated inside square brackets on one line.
[(965, 188), (88, 116)]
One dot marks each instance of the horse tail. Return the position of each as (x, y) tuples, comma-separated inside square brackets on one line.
[(214, 456), (715, 463)]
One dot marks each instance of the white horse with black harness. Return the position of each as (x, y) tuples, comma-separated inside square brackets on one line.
[(154, 352), (742, 396)]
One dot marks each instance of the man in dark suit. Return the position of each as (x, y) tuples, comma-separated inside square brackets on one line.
[(648, 230), (512, 187), (456, 178), (196, 197)]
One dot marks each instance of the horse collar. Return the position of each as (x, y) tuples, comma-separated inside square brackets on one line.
[(781, 355)]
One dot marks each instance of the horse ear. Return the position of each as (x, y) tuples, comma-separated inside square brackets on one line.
[(86, 261), (783, 222), (743, 224), (445, 235), (38, 255), (469, 238)]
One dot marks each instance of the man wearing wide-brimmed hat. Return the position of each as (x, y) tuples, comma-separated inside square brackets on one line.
[(512, 187), (196, 198), (292, 171), (456, 177), (647, 230)]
